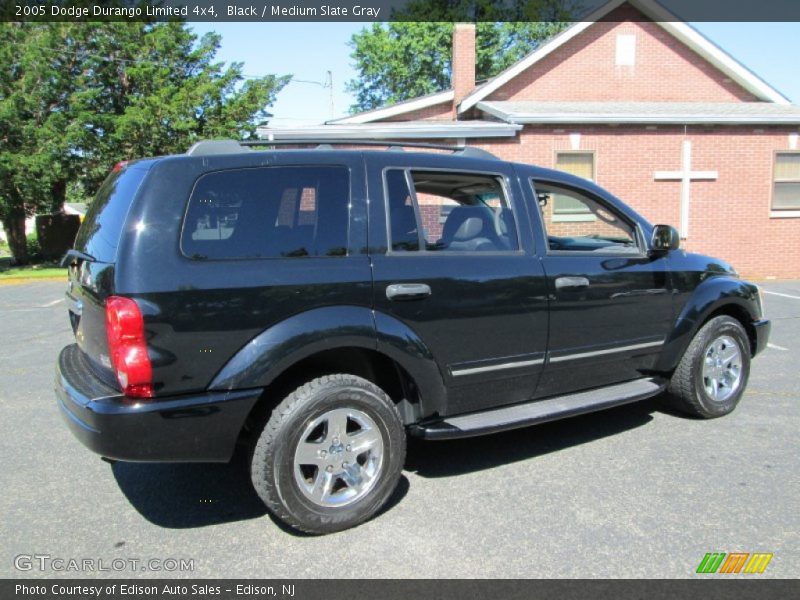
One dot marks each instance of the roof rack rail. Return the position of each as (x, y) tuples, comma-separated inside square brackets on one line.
[(206, 147)]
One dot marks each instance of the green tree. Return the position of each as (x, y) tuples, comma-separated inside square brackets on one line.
[(76, 98), (408, 58), (34, 153)]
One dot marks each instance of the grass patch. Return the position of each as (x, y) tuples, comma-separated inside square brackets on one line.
[(46, 271)]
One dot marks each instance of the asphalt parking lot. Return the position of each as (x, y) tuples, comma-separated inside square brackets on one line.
[(632, 492)]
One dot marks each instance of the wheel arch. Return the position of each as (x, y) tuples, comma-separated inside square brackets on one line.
[(352, 339), (713, 297)]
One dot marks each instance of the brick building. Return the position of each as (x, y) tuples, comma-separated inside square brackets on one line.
[(645, 106)]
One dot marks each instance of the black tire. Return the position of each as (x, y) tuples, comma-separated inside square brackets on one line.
[(272, 467), (687, 391)]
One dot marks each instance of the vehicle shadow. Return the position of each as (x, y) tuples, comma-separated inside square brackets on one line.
[(456, 457), (190, 495), (181, 496), (184, 496)]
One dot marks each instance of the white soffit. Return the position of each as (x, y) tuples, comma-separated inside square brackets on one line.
[(731, 113)]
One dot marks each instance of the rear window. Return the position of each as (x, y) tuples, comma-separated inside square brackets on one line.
[(269, 212), (101, 228)]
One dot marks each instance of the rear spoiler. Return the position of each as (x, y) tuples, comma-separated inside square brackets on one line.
[(73, 255)]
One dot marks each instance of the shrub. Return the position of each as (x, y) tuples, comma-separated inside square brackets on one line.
[(34, 249)]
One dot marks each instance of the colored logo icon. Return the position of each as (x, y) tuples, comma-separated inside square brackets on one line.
[(735, 562)]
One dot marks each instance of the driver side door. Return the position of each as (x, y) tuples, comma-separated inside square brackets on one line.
[(610, 306)]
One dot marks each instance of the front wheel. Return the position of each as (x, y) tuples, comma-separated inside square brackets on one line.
[(713, 372), (330, 455)]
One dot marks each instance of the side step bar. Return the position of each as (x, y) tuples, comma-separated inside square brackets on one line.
[(539, 411)]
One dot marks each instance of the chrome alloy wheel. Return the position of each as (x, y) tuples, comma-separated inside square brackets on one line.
[(339, 457), (722, 368)]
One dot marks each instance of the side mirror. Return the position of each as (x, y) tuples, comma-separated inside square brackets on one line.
[(665, 238)]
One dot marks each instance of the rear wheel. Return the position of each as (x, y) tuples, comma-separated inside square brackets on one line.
[(330, 455), (713, 372)]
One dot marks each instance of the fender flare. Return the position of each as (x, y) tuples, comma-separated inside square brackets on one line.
[(259, 362), (708, 297)]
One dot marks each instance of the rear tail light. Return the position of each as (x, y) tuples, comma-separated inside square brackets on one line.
[(119, 166), (128, 347)]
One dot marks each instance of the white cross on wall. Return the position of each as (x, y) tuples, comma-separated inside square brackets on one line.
[(685, 176)]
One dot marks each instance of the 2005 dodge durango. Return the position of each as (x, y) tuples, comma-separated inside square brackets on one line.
[(317, 306)]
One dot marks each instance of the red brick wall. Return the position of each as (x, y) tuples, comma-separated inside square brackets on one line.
[(584, 69), (729, 217), (431, 215)]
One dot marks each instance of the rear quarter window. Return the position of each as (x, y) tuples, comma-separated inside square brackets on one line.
[(268, 212), (100, 231)]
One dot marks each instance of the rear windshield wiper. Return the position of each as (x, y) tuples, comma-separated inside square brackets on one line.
[(72, 255)]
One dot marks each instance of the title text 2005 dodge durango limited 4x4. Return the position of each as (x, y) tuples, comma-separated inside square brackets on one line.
[(319, 305)]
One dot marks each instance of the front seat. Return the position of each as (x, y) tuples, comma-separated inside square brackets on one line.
[(469, 229)]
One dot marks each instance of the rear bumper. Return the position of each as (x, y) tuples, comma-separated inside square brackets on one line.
[(198, 428), (762, 329)]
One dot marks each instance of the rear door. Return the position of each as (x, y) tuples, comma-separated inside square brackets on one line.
[(452, 262), (611, 305)]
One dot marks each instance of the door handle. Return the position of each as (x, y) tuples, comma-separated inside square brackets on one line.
[(571, 283), (408, 291)]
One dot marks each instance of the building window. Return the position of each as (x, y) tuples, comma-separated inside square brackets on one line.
[(566, 208), (786, 191)]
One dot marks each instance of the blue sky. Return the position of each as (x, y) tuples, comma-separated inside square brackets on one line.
[(308, 50)]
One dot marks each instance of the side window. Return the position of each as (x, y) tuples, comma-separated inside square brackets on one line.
[(606, 231), (271, 212), (449, 211)]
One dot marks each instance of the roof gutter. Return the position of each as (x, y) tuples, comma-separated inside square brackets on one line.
[(654, 120)]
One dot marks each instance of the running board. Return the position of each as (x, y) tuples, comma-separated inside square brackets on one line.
[(539, 411)]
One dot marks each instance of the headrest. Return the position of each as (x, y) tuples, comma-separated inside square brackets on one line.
[(469, 229)]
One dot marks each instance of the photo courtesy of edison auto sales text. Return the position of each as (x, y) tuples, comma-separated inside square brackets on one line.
[(98, 591)]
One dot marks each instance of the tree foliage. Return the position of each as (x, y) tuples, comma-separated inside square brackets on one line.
[(405, 59), (75, 98)]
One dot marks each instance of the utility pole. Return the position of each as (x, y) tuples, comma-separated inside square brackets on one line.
[(330, 89)]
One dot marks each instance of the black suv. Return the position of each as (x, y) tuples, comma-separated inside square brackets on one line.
[(318, 305)]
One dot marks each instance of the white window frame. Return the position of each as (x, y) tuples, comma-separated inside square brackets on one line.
[(781, 213)]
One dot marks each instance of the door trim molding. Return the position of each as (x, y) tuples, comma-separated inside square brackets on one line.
[(498, 367), (606, 351)]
